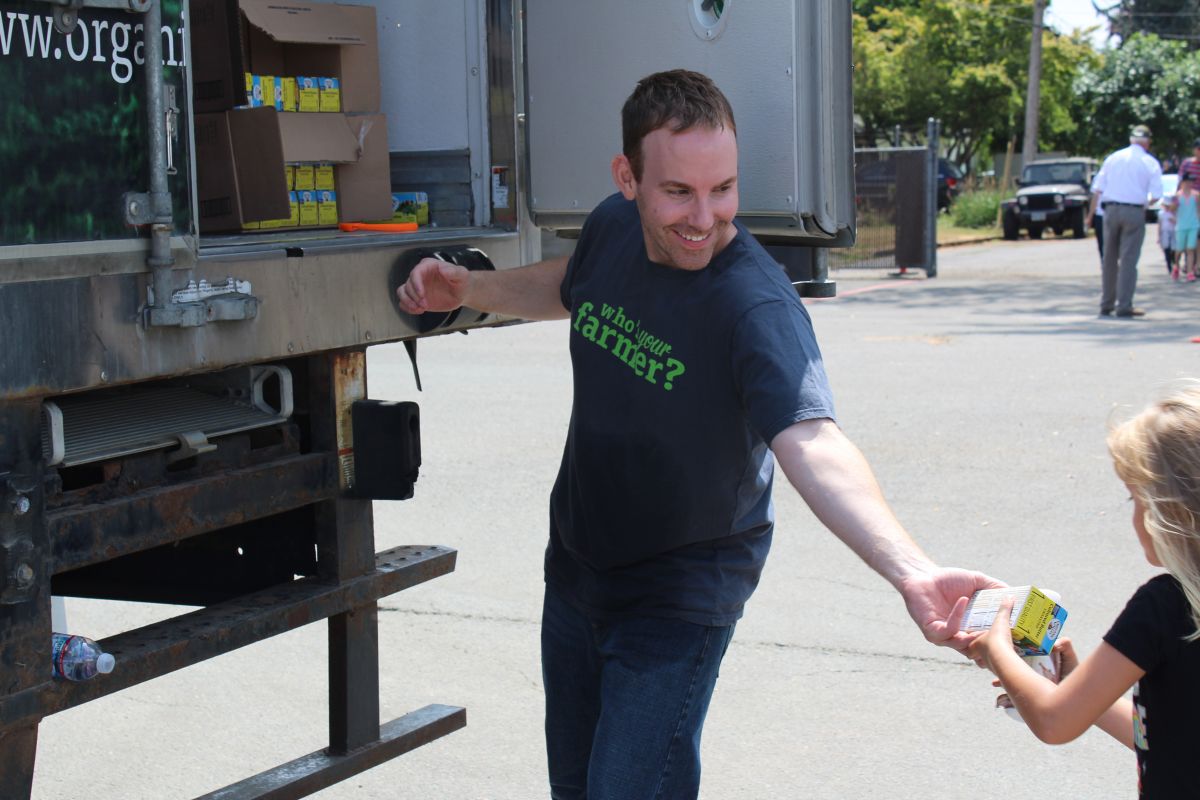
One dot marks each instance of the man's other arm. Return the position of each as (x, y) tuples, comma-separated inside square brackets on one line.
[(836, 481), (530, 292)]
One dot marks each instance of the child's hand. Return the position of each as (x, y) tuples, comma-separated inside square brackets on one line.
[(1065, 659), (983, 649)]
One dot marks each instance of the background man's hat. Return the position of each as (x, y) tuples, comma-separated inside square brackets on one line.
[(1196, 143), (1140, 132)]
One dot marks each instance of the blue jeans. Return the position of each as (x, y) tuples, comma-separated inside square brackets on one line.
[(625, 703)]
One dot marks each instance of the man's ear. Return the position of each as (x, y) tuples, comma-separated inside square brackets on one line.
[(622, 172)]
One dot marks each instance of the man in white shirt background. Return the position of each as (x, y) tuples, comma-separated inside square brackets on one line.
[(1128, 178)]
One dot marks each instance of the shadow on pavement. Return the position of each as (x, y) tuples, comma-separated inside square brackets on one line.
[(1059, 306)]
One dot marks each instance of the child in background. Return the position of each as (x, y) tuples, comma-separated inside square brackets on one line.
[(1166, 233), (1153, 646), (1187, 225)]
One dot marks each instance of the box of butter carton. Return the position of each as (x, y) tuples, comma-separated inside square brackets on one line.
[(1036, 619)]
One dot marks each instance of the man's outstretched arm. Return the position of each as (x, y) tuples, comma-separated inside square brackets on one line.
[(833, 477)]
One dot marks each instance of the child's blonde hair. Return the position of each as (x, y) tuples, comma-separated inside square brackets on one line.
[(1157, 454)]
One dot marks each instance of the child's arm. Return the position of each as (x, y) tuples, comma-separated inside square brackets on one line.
[(1060, 713), (1117, 720)]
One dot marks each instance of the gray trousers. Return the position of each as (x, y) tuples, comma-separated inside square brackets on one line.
[(1124, 230)]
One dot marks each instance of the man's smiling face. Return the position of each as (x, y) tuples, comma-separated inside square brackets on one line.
[(687, 195)]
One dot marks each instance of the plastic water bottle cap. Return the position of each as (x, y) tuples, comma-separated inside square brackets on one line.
[(105, 663)]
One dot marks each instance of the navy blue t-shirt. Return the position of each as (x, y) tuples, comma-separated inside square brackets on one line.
[(662, 504)]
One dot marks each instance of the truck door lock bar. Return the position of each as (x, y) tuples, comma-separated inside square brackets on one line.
[(66, 12)]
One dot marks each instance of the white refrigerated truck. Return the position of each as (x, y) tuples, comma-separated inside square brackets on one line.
[(183, 406)]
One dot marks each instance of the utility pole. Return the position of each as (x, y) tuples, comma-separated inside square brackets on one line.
[(1033, 92)]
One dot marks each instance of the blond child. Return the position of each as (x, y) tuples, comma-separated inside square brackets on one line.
[(1153, 646)]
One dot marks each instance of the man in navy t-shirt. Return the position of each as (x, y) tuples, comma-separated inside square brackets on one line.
[(693, 361)]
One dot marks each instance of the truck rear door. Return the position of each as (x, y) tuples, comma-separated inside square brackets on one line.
[(784, 64)]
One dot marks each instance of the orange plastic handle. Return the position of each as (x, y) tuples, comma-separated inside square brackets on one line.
[(383, 227)]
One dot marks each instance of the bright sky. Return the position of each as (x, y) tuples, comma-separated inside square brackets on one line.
[(1066, 15)]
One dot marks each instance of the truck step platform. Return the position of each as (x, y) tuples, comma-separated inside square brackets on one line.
[(163, 647), (322, 769)]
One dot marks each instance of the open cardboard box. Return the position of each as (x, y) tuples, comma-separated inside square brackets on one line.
[(240, 155), (240, 152), (262, 37)]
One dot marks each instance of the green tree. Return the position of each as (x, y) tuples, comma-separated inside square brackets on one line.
[(1147, 80), (965, 63)]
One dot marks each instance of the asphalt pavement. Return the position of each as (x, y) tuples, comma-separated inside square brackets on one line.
[(980, 397)]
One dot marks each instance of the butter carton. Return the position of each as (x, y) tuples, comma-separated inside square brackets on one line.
[(331, 94), (410, 207), (250, 90), (304, 177), (268, 90), (308, 94), (256, 91), (326, 207), (324, 177), (287, 94), (1036, 619), (308, 207)]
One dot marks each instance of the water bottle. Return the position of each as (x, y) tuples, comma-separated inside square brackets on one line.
[(78, 658)]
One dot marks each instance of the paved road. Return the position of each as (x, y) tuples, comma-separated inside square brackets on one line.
[(981, 398)]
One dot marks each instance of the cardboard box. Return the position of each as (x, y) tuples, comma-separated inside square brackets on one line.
[(1036, 619), (241, 170), (241, 164), (232, 149), (263, 37)]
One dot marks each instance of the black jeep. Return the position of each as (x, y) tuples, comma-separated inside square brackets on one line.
[(1052, 194)]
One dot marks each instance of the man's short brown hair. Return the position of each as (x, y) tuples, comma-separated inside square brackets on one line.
[(678, 99)]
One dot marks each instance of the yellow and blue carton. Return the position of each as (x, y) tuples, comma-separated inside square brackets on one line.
[(410, 207), (1036, 619)]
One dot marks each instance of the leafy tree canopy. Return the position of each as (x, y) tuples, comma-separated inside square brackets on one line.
[(1147, 80), (965, 63)]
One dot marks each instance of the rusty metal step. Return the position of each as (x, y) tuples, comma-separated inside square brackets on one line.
[(319, 770), (163, 647)]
